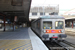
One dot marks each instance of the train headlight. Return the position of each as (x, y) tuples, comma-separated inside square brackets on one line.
[(44, 30), (62, 31), (59, 31)]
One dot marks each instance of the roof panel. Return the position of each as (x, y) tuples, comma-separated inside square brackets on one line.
[(52, 16)]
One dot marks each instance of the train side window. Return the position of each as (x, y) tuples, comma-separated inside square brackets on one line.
[(59, 25), (47, 25)]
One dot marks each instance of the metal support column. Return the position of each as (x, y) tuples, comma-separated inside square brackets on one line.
[(72, 24), (4, 23), (13, 26)]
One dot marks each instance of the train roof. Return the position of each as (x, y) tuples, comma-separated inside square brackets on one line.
[(52, 17)]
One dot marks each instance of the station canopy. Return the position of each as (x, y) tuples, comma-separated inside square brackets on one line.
[(12, 8)]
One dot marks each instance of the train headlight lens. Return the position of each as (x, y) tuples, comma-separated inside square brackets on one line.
[(47, 31), (59, 31), (62, 31), (44, 30)]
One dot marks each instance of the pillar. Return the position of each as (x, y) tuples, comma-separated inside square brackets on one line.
[(13, 26), (4, 23), (15, 19), (72, 24)]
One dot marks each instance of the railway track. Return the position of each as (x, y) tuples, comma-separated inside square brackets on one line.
[(54, 46), (69, 43), (64, 45)]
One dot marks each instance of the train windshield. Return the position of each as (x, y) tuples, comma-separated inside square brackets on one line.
[(59, 25), (47, 25)]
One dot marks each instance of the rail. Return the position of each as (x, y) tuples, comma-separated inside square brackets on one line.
[(69, 43), (54, 46)]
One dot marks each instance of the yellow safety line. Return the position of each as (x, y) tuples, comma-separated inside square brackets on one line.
[(17, 46), (29, 45), (3, 42), (8, 44), (12, 44)]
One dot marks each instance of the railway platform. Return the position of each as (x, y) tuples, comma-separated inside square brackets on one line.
[(70, 31), (70, 35), (70, 39), (21, 39)]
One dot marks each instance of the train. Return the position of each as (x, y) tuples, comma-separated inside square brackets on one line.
[(50, 27)]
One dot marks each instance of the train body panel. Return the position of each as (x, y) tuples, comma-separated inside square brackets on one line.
[(47, 28)]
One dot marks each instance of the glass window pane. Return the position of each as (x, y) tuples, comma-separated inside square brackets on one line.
[(41, 13), (59, 25), (47, 25)]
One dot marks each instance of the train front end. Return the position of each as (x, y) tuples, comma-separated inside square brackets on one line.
[(53, 29)]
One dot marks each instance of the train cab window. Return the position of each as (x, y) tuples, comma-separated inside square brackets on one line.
[(47, 25), (59, 25)]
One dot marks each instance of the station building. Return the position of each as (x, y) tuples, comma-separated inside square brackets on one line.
[(38, 11)]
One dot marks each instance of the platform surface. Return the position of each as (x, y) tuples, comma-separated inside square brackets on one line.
[(21, 39), (15, 40), (21, 33), (70, 39), (37, 44), (15, 45), (70, 34)]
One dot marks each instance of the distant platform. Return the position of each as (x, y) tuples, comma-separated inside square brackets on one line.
[(70, 39), (70, 34), (70, 31)]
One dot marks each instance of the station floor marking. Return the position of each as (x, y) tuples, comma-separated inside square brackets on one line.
[(15, 45)]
